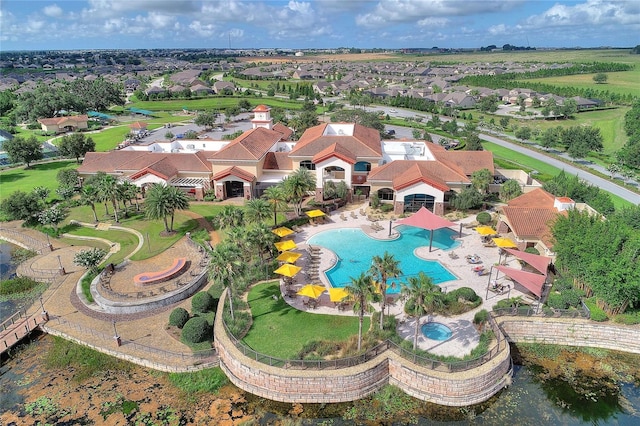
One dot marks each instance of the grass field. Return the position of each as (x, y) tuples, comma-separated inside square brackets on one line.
[(213, 104), (609, 121), (624, 82), (150, 229), (128, 242), (38, 175), (282, 331)]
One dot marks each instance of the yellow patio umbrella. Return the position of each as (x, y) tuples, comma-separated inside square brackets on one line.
[(311, 290), (315, 213), (337, 294), (286, 245), (504, 243), (485, 230), (288, 270), (283, 231), (289, 256)]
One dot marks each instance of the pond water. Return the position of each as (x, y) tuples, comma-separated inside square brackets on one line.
[(7, 270), (572, 400)]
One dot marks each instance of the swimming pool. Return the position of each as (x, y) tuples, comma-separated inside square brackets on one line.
[(436, 331), (355, 249)]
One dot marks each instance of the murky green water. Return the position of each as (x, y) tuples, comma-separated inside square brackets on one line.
[(571, 400)]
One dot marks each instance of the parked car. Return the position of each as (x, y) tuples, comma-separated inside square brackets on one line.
[(391, 132)]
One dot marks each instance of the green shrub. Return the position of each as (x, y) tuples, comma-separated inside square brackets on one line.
[(561, 284), (532, 250), (178, 317), (464, 293), (483, 218), (386, 208), (17, 285), (481, 317), (629, 318), (202, 302), (555, 301), (196, 330), (597, 314)]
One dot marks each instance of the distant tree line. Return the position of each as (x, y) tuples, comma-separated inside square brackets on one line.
[(506, 47)]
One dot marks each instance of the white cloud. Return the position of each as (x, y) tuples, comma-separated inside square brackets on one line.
[(592, 12), (53, 11), (202, 29), (409, 11)]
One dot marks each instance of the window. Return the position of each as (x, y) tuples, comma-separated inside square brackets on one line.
[(306, 164), (385, 194), (362, 166)]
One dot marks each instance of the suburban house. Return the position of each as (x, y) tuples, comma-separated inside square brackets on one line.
[(528, 219), (407, 174), (70, 123)]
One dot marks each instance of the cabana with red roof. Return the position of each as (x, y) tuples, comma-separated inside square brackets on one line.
[(532, 281), (424, 219)]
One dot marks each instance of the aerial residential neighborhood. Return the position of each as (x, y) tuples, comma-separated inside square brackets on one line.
[(386, 234)]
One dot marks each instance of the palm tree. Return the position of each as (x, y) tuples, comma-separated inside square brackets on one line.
[(276, 197), (131, 191), (108, 191), (361, 290), (257, 210), (383, 268), (88, 197), (296, 187), (231, 216), (157, 204), (422, 296), (224, 265), (178, 200), (262, 239)]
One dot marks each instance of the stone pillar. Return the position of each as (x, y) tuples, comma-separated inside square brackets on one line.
[(220, 192), (319, 195), (199, 193), (438, 208), (398, 207)]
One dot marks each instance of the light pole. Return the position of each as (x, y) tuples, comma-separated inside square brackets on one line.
[(44, 314), (61, 270), (115, 335)]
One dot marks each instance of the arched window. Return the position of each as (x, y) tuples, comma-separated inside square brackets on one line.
[(385, 194), (306, 164)]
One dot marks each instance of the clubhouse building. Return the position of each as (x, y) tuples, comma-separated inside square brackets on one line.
[(405, 173)]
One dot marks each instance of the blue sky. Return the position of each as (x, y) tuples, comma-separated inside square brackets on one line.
[(122, 24)]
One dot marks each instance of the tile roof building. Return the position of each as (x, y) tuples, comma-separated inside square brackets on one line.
[(406, 174)]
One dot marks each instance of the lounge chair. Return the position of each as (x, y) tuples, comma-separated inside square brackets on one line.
[(362, 212), (353, 215), (342, 216)]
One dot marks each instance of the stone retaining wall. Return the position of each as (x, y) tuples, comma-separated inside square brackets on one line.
[(571, 332), (133, 305), (348, 384)]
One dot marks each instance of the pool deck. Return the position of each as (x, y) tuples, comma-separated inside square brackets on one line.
[(465, 337)]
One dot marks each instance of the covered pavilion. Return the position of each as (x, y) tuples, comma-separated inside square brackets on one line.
[(425, 219)]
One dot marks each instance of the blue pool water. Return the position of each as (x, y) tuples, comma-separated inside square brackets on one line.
[(355, 250), (436, 331)]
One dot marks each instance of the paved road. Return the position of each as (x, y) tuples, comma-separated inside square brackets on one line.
[(591, 178)]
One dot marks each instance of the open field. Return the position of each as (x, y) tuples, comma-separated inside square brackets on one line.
[(623, 82), (609, 121), (44, 174), (212, 104), (128, 241)]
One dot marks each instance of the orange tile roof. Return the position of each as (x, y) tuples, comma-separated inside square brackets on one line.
[(365, 142), (403, 173), (235, 171), (261, 108), (251, 145), (286, 132), (62, 120), (531, 215), (277, 161), (335, 150), (465, 162), (138, 125), (125, 161)]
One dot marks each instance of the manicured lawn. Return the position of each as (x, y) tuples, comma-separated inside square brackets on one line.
[(128, 241), (281, 331), (623, 82), (38, 175), (212, 104), (108, 139), (150, 229)]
